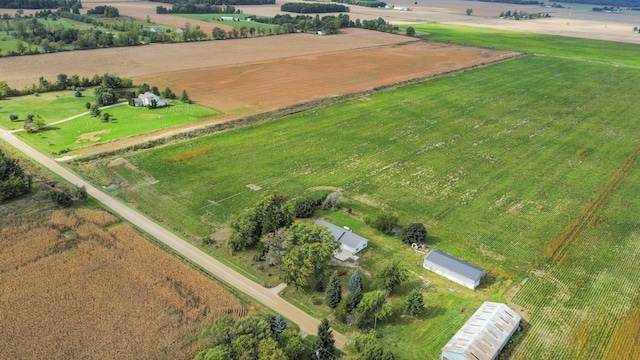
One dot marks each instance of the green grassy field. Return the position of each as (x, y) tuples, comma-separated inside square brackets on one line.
[(575, 48), (488, 159), (52, 106), (125, 121)]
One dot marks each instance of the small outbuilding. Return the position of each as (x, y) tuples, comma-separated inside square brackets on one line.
[(350, 243), (484, 334), (454, 269)]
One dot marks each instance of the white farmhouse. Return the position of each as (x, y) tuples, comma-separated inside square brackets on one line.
[(454, 269), (484, 334), (350, 243), (146, 99)]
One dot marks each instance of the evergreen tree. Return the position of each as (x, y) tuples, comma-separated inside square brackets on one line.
[(355, 281), (415, 303), (325, 347), (334, 291), (185, 97), (279, 325), (353, 299)]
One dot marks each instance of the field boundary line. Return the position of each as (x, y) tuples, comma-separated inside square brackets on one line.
[(557, 248)]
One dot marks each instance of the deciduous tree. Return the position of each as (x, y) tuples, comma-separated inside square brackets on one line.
[(414, 233), (415, 303), (372, 307), (392, 274)]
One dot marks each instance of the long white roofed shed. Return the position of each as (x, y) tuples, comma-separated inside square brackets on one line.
[(454, 269), (350, 243), (484, 334)]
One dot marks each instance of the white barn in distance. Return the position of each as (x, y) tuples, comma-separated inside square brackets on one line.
[(350, 243), (454, 269), (484, 334)]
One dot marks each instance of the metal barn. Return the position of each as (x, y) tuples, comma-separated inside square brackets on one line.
[(454, 269), (484, 334)]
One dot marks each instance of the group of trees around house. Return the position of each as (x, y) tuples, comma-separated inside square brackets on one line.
[(313, 8), (34, 36), (39, 4), (301, 250), (328, 24), (264, 337), (191, 8), (367, 3), (522, 15), (104, 10), (14, 180)]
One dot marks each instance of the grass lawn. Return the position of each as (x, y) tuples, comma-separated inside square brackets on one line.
[(575, 48), (125, 121), (52, 106)]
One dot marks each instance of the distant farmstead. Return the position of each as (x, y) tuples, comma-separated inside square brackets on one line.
[(147, 99), (484, 334), (454, 269), (350, 243)]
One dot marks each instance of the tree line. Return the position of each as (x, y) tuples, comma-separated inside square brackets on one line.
[(313, 8), (104, 10), (367, 3), (219, 2), (189, 8), (518, 2), (38, 4)]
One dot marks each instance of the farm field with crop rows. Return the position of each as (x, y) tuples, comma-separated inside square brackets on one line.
[(80, 283), (582, 307)]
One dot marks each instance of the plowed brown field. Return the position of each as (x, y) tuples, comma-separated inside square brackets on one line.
[(79, 285), (274, 84)]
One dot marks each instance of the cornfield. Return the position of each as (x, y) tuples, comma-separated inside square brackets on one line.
[(74, 288)]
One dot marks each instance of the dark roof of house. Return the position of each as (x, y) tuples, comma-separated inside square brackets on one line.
[(454, 264), (344, 236)]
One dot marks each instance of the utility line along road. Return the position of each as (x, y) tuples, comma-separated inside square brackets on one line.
[(270, 298)]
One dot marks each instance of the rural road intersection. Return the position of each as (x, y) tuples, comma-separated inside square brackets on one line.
[(268, 297)]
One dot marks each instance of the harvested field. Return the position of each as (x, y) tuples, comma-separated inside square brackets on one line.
[(78, 285), (134, 61), (269, 85)]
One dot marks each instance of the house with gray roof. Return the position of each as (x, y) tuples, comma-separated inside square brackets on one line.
[(484, 334), (147, 98), (350, 243), (454, 269)]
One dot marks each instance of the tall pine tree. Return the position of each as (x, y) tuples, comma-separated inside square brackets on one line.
[(325, 345), (355, 282), (333, 295)]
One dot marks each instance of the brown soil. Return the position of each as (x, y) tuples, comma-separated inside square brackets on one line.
[(147, 60), (273, 84), (79, 285)]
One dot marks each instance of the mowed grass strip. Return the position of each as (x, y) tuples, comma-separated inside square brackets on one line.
[(52, 106), (217, 18), (125, 121), (575, 48), (495, 161)]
